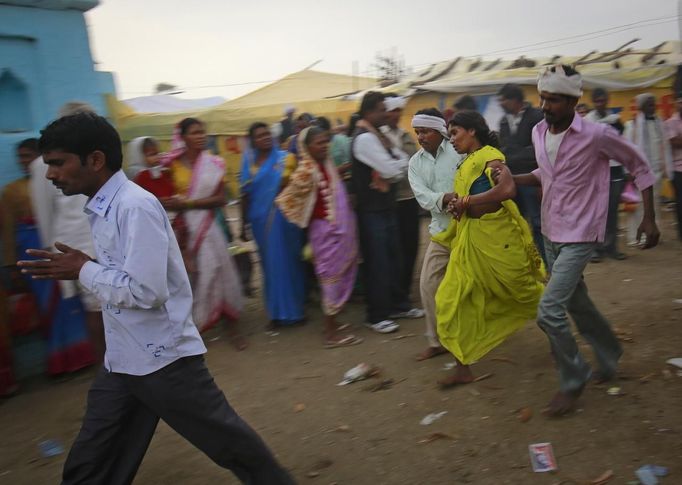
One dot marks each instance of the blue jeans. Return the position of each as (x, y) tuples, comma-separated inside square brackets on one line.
[(382, 264), (528, 200), (566, 293)]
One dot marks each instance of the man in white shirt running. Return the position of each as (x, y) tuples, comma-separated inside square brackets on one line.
[(153, 365)]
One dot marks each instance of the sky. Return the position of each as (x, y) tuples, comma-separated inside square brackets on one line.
[(228, 48)]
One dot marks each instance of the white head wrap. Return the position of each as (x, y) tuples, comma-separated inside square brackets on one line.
[(135, 160), (558, 82), (641, 99), (434, 122), (395, 102)]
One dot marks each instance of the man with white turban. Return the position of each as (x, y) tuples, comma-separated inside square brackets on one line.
[(431, 175), (573, 169), (673, 127), (648, 133)]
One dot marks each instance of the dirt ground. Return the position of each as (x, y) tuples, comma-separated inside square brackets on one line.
[(285, 386)]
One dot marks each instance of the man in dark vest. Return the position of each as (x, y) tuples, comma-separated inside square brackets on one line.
[(516, 127), (376, 165)]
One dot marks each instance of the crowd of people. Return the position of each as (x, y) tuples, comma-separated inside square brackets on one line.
[(515, 217)]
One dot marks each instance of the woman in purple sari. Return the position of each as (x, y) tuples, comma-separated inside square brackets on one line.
[(316, 198)]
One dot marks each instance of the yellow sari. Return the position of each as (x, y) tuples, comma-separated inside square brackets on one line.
[(495, 276)]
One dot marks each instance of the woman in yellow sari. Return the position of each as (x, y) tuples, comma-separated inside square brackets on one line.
[(495, 276)]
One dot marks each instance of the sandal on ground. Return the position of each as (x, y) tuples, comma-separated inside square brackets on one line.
[(431, 352), (346, 341), (238, 342)]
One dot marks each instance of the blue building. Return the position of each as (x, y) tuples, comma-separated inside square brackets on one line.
[(45, 61)]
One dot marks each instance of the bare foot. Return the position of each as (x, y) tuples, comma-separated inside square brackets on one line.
[(461, 376), (238, 341), (562, 403), (431, 352)]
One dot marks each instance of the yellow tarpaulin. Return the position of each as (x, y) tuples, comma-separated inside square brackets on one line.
[(319, 93), (308, 91)]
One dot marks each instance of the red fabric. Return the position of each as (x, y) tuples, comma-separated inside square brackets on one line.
[(320, 209), (71, 359), (160, 187), (24, 315)]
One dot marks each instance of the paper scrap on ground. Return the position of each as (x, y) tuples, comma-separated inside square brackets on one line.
[(432, 418)]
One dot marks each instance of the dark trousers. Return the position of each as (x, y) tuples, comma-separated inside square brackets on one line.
[(528, 200), (407, 214), (677, 183), (609, 247), (382, 268), (123, 411)]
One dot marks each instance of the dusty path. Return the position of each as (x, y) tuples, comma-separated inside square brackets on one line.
[(349, 435)]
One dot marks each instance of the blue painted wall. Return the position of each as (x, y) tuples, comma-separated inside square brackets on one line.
[(45, 61)]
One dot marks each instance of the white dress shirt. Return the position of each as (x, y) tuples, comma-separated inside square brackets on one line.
[(140, 279), (368, 149), (431, 178)]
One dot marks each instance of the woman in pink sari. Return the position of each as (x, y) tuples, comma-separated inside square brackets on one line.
[(198, 177), (316, 198)]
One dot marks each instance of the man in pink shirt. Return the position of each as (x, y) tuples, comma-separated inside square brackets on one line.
[(573, 169), (673, 128)]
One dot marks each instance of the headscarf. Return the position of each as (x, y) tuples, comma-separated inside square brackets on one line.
[(557, 82), (395, 102), (297, 200), (434, 122), (135, 157)]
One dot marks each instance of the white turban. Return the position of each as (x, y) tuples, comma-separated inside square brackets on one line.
[(434, 122), (558, 82), (395, 102), (641, 99)]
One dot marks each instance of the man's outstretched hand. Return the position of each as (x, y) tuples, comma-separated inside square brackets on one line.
[(64, 265)]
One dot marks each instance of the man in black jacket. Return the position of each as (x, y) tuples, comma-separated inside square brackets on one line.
[(516, 128)]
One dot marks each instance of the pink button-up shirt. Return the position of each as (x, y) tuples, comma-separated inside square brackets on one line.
[(575, 190), (673, 128)]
